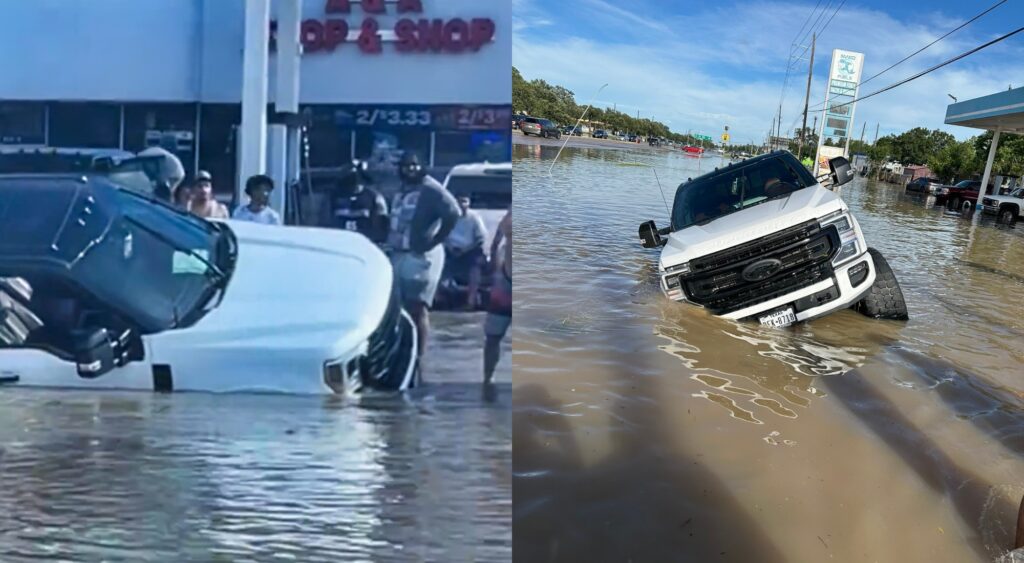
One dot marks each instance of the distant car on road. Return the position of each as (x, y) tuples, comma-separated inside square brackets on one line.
[(633, 139), (924, 185), (600, 134), (1006, 208), (540, 127)]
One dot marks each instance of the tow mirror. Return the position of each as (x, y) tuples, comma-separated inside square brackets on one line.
[(94, 352), (841, 170), (650, 235)]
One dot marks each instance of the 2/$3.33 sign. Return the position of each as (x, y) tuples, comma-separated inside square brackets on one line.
[(420, 35)]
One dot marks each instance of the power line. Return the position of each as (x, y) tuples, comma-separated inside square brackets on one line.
[(820, 105), (936, 67), (822, 28), (958, 28), (795, 42)]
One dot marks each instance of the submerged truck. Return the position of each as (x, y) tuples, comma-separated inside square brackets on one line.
[(763, 240)]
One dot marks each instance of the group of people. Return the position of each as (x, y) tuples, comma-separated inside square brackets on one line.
[(423, 222), (414, 230), (197, 197)]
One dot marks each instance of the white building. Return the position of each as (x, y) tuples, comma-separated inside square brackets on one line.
[(431, 76)]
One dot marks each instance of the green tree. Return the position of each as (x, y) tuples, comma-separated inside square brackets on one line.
[(955, 161)]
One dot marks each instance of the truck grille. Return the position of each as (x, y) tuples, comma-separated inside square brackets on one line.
[(386, 360), (805, 252)]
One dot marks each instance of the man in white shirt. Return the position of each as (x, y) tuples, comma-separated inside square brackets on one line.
[(258, 189), (465, 248)]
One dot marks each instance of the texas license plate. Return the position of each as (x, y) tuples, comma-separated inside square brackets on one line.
[(784, 317)]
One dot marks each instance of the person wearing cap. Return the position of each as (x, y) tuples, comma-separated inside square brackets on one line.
[(203, 203), (357, 207), (422, 217), (258, 210)]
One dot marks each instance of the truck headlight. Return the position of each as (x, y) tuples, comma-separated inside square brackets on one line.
[(846, 252), (670, 280), (840, 219), (683, 268)]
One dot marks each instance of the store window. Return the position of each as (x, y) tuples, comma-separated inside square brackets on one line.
[(329, 144), (460, 147), (170, 126), (384, 147), (217, 149), (22, 123), (85, 125)]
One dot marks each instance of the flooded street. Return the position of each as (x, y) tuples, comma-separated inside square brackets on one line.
[(128, 476), (647, 430)]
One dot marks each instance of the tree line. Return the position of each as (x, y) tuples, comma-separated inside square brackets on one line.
[(541, 99)]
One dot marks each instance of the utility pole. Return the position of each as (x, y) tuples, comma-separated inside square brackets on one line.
[(807, 98), (876, 133), (862, 133)]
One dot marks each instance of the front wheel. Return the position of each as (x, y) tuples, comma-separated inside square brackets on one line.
[(885, 298), (1007, 216)]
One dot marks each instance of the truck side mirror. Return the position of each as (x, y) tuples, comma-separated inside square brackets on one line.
[(94, 352), (650, 235), (841, 171)]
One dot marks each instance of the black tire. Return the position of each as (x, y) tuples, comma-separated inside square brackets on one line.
[(885, 298), (1007, 216)]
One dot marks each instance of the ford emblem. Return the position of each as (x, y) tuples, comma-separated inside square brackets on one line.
[(761, 270)]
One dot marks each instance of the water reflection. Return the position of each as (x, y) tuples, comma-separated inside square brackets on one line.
[(139, 477)]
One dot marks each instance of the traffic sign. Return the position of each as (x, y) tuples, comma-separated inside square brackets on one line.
[(725, 137), (702, 137)]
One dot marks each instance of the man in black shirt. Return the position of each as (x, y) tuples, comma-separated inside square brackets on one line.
[(422, 216), (357, 207)]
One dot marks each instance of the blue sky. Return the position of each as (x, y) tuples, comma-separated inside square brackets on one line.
[(701, 65)]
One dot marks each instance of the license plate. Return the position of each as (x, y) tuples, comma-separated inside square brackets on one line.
[(784, 317)]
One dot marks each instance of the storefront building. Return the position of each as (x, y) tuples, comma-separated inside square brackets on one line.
[(377, 78)]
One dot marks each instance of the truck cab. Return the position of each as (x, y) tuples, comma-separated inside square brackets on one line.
[(762, 239)]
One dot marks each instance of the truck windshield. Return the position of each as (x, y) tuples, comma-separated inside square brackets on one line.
[(720, 193)]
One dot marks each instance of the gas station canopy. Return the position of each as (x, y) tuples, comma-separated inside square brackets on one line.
[(1000, 112), (1003, 111)]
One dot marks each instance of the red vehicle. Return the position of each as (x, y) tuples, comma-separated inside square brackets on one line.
[(690, 149), (956, 197)]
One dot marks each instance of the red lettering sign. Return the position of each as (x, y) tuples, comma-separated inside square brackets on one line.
[(453, 36), (316, 36), (338, 7), (410, 6), (456, 35), (369, 39), (373, 6)]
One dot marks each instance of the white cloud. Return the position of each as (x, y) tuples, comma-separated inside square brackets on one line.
[(724, 66)]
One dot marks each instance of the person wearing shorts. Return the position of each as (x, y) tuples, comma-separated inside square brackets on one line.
[(423, 215), (499, 308)]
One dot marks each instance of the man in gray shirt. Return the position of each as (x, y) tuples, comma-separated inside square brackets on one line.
[(422, 216)]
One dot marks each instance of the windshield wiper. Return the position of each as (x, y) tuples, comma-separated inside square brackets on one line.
[(212, 270)]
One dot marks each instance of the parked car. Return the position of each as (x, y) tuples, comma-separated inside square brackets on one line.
[(761, 239), (132, 293), (517, 120), (962, 194), (633, 139), (924, 185), (489, 187), (540, 127), (654, 142), (1007, 208), (600, 134)]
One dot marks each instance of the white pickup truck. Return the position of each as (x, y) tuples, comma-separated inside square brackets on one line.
[(761, 239), (103, 287), (1007, 208)]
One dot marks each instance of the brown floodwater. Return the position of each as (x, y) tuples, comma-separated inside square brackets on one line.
[(89, 476), (646, 430)]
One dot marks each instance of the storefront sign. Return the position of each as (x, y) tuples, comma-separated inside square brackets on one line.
[(409, 34), (430, 117), (837, 116)]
